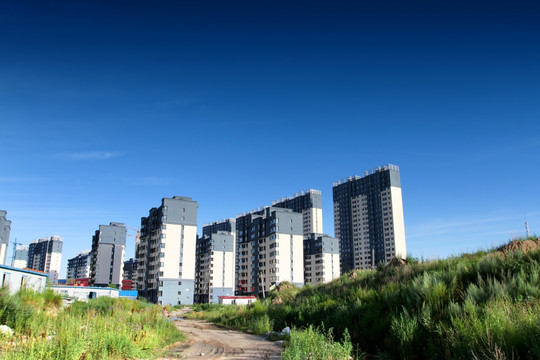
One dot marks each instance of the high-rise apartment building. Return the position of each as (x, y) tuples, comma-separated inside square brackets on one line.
[(45, 255), (5, 229), (368, 218), (321, 259), (269, 250), (309, 204), (166, 252), (107, 260), (79, 266), (21, 257), (227, 225), (130, 271), (215, 266)]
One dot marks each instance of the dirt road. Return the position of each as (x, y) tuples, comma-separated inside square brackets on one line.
[(207, 341)]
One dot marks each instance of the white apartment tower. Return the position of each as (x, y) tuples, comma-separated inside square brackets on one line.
[(166, 252), (5, 229), (321, 259), (215, 267), (270, 250), (45, 255), (368, 218)]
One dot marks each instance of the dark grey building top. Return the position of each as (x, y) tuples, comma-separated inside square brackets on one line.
[(320, 244), (301, 201), (227, 225)]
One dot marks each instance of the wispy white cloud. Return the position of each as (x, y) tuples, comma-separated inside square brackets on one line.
[(88, 155)]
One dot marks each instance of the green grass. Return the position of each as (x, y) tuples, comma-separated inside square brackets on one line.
[(474, 306), (316, 344), (102, 328)]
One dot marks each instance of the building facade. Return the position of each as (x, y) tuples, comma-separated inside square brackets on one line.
[(215, 266), (166, 252), (20, 259), (129, 281), (321, 259), (5, 229), (16, 279), (107, 255), (45, 255), (79, 266), (368, 218), (309, 204), (227, 225), (269, 250)]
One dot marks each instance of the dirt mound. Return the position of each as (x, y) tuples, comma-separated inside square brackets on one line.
[(524, 245), (395, 262), (284, 286), (278, 300)]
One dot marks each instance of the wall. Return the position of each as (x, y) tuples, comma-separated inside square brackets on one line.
[(14, 278)]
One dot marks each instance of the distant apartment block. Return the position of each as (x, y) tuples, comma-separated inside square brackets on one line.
[(227, 225), (215, 266), (309, 204), (5, 229), (166, 252), (108, 249), (129, 281), (368, 218), (79, 266), (269, 250), (45, 255), (20, 260), (321, 259)]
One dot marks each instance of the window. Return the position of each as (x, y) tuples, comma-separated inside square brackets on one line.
[(5, 279)]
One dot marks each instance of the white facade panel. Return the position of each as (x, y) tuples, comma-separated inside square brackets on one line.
[(399, 222), (189, 252)]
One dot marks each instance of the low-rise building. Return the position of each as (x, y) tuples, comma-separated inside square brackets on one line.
[(85, 292), (15, 279), (236, 300)]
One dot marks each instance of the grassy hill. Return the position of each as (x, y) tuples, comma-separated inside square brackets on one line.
[(484, 305)]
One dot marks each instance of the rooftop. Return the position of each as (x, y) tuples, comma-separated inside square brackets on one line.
[(367, 173), (302, 193)]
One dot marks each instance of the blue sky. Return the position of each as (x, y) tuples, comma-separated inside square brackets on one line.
[(107, 107)]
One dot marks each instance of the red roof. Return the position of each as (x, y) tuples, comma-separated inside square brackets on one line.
[(236, 297)]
